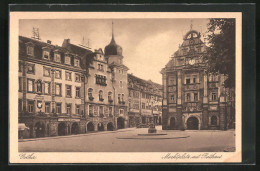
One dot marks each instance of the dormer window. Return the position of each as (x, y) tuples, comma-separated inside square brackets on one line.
[(68, 60), (30, 50), (76, 62), (57, 57), (46, 55)]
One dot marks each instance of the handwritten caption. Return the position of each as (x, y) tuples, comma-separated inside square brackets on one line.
[(181, 156), (27, 156)]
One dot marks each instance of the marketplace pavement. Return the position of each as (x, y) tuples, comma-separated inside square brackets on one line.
[(135, 140)]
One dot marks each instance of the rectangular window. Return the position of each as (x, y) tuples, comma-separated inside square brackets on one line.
[(30, 106), (187, 81), (68, 76), (20, 105), (68, 90), (58, 74), (30, 69), (77, 109), (57, 58), (121, 84), (20, 84), (214, 96), (110, 110), (46, 88), (195, 96), (101, 80), (77, 77), (91, 110), (58, 89), (46, 72), (194, 80), (20, 67), (68, 108), (67, 60), (121, 111), (47, 107), (77, 92), (30, 85), (172, 97), (46, 55), (188, 97), (76, 62), (119, 98), (101, 110), (58, 108), (143, 105), (30, 50)]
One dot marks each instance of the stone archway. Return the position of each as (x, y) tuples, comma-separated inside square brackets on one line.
[(90, 126), (101, 127), (75, 128), (39, 129), (192, 123), (110, 126), (172, 123), (120, 123), (62, 129)]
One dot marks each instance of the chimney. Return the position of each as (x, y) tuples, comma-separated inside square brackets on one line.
[(48, 41), (67, 41)]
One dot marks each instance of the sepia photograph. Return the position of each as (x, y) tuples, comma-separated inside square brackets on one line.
[(88, 84)]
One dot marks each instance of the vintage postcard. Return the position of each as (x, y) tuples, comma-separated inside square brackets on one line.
[(125, 87)]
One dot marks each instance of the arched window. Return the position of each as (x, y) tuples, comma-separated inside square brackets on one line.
[(100, 95), (214, 120), (110, 95)]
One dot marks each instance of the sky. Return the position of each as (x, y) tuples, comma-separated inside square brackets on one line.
[(147, 43)]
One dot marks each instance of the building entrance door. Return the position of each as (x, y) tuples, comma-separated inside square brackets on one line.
[(193, 123), (172, 123), (62, 129), (74, 128), (39, 129), (120, 123)]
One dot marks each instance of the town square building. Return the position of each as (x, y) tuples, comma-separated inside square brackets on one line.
[(144, 99), (193, 98), (51, 88)]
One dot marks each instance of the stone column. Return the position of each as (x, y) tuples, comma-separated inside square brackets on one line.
[(96, 127), (205, 116), (105, 127)]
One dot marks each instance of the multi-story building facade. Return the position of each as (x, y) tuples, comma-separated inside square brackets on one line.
[(193, 98), (144, 102), (51, 86), (70, 89)]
